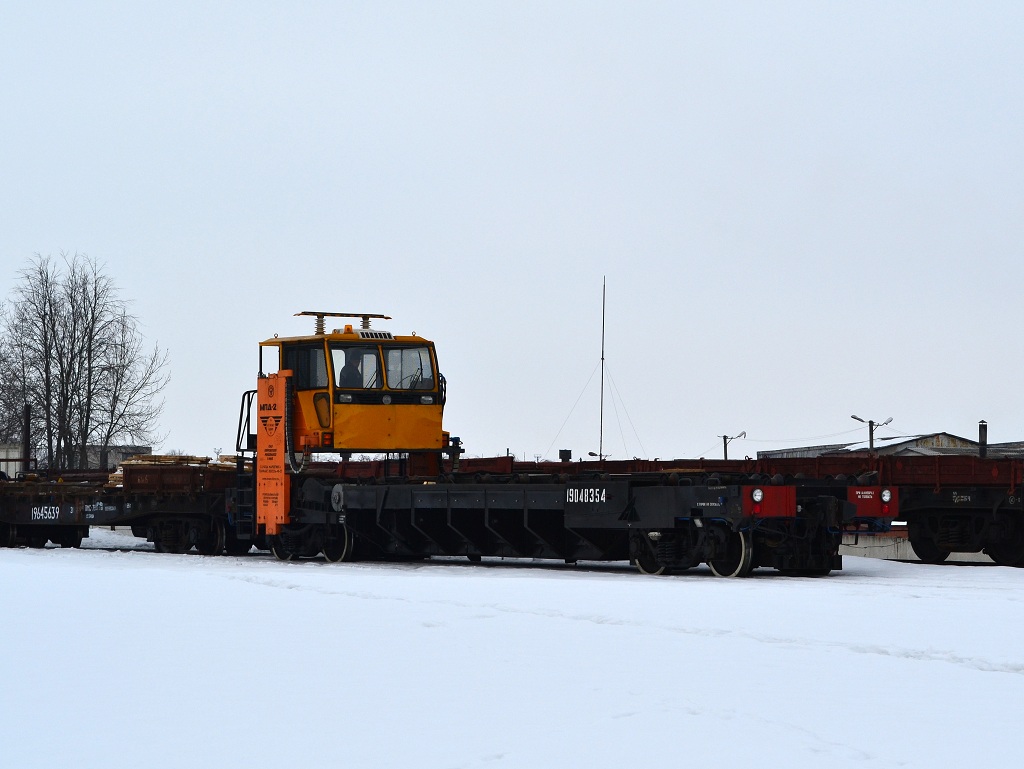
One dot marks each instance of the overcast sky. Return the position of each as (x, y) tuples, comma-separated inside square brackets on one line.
[(804, 210)]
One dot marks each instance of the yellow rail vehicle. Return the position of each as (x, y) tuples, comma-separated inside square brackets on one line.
[(359, 389), (347, 390)]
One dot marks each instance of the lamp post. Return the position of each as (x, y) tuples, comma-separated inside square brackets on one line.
[(725, 442), (871, 428)]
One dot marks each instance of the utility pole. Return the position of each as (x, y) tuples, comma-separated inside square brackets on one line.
[(600, 441), (725, 442), (871, 428)]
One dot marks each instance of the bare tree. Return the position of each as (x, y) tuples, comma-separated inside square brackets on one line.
[(74, 352), (12, 398), (29, 347)]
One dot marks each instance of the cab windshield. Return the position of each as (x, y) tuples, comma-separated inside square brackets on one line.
[(409, 368)]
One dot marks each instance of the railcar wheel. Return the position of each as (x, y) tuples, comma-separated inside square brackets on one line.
[(212, 541), (1006, 553), (71, 538), (738, 560), (280, 549), (8, 534), (925, 548), (338, 548), (647, 563), (173, 540)]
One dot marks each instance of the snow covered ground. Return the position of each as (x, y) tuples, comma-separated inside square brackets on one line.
[(134, 659)]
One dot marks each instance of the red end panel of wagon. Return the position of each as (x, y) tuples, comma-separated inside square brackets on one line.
[(769, 501)]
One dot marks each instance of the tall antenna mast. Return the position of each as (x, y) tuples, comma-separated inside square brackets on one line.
[(600, 442)]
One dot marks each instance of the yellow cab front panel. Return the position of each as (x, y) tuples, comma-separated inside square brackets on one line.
[(359, 427)]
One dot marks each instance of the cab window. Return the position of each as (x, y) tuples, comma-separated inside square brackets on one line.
[(309, 364), (409, 368), (356, 367)]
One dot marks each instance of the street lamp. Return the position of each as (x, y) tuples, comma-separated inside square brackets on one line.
[(871, 428), (725, 442)]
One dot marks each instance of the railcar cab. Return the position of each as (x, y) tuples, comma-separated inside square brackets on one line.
[(358, 389)]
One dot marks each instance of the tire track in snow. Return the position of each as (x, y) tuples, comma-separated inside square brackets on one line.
[(919, 655)]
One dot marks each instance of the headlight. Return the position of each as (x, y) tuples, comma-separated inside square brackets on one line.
[(758, 495), (886, 495), (426, 400)]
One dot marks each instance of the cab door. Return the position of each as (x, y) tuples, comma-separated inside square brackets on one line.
[(313, 392)]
